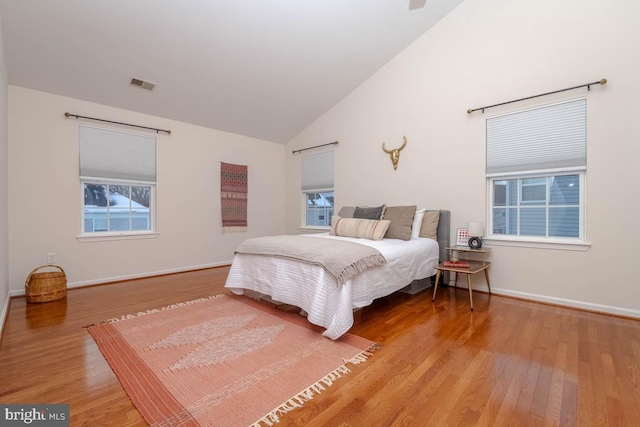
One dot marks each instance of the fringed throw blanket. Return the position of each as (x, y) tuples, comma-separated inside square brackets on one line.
[(339, 258), (233, 195)]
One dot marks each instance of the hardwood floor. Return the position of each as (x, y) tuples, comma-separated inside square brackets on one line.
[(508, 363)]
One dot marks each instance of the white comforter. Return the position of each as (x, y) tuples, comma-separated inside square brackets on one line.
[(311, 288)]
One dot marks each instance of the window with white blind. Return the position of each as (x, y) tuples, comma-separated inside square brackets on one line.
[(317, 189), (536, 166), (118, 179)]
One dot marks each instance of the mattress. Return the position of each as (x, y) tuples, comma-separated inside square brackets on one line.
[(312, 289)]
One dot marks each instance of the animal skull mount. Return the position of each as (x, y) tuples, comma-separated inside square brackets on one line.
[(395, 153)]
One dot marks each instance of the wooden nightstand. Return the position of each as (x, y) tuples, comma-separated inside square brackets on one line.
[(474, 267), (467, 250), (466, 253)]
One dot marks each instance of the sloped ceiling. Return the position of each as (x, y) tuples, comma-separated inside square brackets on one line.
[(261, 68)]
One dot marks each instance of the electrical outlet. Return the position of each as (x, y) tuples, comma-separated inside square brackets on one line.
[(51, 258)]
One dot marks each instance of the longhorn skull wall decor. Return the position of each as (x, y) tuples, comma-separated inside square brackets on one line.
[(395, 153)]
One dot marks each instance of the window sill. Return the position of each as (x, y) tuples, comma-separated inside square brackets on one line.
[(312, 229), (556, 244), (107, 237)]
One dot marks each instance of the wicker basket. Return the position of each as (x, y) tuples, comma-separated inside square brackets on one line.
[(46, 286)]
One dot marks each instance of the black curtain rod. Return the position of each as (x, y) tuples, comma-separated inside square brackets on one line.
[(588, 86), (311, 148), (117, 123)]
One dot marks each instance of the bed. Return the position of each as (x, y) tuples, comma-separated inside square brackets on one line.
[(327, 304)]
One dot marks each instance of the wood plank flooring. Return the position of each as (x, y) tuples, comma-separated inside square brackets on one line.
[(508, 363)]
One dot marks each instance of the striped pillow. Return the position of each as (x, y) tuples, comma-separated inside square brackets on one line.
[(371, 229)]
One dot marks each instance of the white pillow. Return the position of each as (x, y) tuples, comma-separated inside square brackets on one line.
[(417, 223)]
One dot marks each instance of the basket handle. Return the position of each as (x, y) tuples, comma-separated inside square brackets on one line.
[(26, 284)]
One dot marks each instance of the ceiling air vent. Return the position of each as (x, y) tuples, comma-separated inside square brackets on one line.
[(142, 84)]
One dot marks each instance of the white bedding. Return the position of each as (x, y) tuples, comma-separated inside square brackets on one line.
[(311, 288)]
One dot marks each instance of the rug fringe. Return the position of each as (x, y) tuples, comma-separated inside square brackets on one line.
[(307, 394), (156, 310), (364, 355)]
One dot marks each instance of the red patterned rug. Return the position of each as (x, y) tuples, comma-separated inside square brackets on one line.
[(223, 361)]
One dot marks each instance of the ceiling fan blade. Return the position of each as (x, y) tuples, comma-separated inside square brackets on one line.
[(416, 4)]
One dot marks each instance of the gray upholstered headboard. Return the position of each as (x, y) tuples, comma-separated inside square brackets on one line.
[(444, 234)]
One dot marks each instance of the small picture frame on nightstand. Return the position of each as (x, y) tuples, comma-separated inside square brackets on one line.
[(462, 238)]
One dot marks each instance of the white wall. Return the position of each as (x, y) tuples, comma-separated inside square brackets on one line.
[(4, 203), (486, 52), (45, 197)]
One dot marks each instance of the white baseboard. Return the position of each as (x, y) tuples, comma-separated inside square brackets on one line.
[(133, 276), (582, 305), (619, 311), (4, 313)]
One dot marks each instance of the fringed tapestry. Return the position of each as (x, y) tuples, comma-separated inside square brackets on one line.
[(233, 195)]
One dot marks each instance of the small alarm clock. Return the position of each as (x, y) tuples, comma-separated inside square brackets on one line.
[(475, 243)]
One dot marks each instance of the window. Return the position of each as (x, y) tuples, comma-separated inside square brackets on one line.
[(319, 208), (317, 189), (547, 206), (117, 175), (116, 207), (536, 167)]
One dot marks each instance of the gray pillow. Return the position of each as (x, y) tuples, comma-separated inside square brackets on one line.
[(368, 213), (347, 212), (401, 218)]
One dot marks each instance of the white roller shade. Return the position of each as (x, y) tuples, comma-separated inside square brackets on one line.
[(317, 171), (552, 137), (117, 155)]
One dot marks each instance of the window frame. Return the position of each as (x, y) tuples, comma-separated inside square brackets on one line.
[(124, 234), (317, 186), (509, 156), (303, 205), (138, 170), (555, 242)]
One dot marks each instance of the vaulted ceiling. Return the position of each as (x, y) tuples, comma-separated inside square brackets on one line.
[(261, 68)]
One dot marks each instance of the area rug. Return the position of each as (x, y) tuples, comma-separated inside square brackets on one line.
[(223, 361)]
